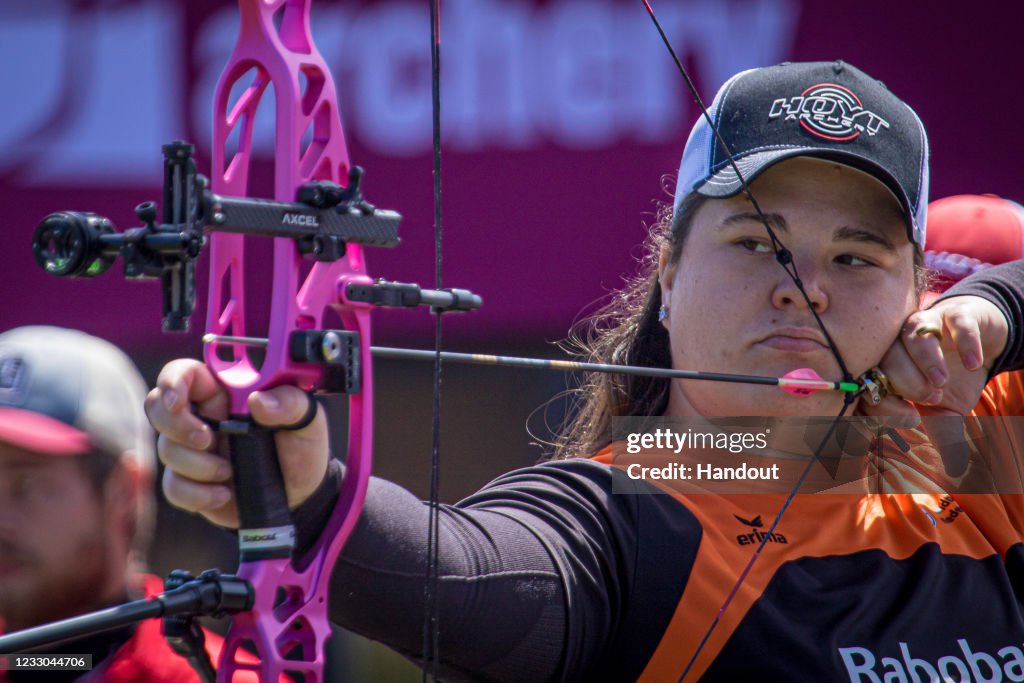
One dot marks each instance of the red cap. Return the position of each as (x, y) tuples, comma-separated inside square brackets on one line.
[(968, 233)]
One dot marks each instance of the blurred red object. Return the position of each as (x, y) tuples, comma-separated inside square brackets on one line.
[(967, 233)]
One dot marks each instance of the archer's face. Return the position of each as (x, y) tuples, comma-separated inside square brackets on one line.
[(732, 308), (53, 539)]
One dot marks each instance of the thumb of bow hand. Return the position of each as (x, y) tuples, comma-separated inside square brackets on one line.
[(302, 453)]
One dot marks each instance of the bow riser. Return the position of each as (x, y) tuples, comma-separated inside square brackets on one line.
[(306, 107)]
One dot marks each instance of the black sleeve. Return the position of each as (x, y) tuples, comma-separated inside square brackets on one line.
[(1003, 285), (546, 574)]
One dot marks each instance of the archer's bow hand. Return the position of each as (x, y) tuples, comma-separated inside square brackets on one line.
[(182, 407)]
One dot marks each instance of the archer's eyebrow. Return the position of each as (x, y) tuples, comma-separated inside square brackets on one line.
[(843, 234), (848, 234), (775, 221)]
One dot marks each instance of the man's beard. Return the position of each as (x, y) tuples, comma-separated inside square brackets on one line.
[(48, 590)]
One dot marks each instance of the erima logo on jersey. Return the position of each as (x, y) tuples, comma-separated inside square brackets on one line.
[(756, 521), (300, 219), (756, 535), (967, 665)]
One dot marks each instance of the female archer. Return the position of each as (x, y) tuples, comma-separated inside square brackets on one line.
[(570, 571)]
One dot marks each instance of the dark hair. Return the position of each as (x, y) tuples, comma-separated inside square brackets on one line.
[(627, 331), (97, 466)]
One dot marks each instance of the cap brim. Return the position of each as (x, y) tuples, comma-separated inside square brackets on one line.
[(41, 434), (725, 183)]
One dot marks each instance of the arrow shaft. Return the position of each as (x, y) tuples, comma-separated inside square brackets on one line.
[(573, 366)]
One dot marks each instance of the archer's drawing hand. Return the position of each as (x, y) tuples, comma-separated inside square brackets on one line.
[(942, 358), (198, 478), (938, 368)]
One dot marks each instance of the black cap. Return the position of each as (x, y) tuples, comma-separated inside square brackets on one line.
[(827, 110)]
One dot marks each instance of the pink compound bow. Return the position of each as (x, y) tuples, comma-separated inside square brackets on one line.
[(280, 623)]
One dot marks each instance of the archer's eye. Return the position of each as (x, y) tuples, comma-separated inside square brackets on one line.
[(756, 246), (851, 260)]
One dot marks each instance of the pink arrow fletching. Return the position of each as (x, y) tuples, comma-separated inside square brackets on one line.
[(803, 382)]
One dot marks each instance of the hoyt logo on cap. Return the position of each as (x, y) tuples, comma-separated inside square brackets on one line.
[(829, 111), (826, 110)]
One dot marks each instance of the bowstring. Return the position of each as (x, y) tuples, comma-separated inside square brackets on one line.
[(785, 258), (783, 255), (431, 630)]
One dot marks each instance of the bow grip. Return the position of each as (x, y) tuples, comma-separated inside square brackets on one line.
[(265, 529)]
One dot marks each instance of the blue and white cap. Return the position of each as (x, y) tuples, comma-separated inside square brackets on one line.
[(66, 393), (827, 110)]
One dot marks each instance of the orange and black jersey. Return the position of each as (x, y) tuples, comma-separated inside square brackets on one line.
[(859, 587), (548, 574)]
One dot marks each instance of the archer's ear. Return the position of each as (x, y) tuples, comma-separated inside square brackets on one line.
[(666, 277)]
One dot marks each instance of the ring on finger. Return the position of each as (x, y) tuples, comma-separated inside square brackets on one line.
[(929, 331)]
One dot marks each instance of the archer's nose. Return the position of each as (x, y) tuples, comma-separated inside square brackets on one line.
[(787, 292)]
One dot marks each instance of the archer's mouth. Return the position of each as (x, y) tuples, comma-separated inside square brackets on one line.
[(794, 339), (790, 344)]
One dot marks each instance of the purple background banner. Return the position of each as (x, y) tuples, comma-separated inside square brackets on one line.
[(563, 122)]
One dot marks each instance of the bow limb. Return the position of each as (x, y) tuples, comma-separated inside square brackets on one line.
[(309, 145)]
